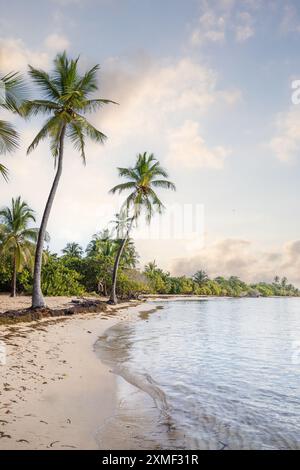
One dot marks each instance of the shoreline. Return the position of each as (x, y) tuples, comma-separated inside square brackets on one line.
[(57, 392), (54, 390)]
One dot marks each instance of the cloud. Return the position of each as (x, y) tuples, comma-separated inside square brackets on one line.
[(242, 258), (82, 204), (157, 99), (286, 143), (15, 55), (290, 19), (57, 42), (188, 149), (210, 28), (244, 28), (219, 18)]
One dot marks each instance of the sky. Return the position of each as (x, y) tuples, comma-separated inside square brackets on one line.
[(204, 85)]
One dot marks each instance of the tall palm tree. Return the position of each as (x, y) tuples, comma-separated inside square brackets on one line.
[(73, 250), (65, 100), (16, 237), (12, 92), (142, 181)]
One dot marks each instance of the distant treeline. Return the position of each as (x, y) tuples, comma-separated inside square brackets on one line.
[(78, 272)]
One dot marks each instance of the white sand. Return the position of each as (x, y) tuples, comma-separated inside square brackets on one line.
[(22, 301), (54, 390)]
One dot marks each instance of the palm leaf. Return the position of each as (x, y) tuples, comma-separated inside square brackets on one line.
[(45, 83), (77, 138), (9, 137), (4, 172)]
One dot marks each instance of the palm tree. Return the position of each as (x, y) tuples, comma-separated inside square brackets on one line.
[(276, 279), (17, 239), (151, 268), (65, 100), (102, 243), (142, 180), (72, 250), (11, 95), (200, 277)]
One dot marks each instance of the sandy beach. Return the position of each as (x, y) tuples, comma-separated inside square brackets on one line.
[(54, 390)]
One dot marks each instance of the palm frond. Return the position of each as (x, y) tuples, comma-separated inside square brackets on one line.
[(90, 130), (14, 91), (76, 136), (122, 187), (93, 105), (46, 131), (4, 172), (88, 83), (36, 107), (45, 83), (9, 137), (164, 184)]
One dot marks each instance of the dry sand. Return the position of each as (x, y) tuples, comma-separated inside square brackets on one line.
[(22, 301), (54, 390)]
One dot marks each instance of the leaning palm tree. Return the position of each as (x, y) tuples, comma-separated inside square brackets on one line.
[(65, 100), (142, 181), (11, 96), (17, 239)]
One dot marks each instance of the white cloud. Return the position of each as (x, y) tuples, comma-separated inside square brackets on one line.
[(210, 28), (286, 143), (57, 42), (244, 259), (219, 18), (244, 28), (188, 149), (15, 55), (157, 98)]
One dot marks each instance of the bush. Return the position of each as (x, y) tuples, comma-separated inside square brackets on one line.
[(131, 284), (57, 279)]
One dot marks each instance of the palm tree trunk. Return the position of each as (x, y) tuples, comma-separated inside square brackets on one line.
[(113, 295), (113, 300), (37, 295), (14, 278)]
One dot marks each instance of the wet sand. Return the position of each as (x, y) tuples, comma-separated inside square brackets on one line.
[(54, 391)]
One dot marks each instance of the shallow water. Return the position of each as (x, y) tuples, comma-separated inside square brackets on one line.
[(209, 374)]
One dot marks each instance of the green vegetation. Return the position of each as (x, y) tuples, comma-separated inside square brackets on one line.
[(17, 240), (65, 99), (11, 97), (109, 264), (141, 182), (79, 272)]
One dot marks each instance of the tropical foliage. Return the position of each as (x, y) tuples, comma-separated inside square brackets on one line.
[(17, 239), (141, 181), (109, 264), (65, 99), (12, 92)]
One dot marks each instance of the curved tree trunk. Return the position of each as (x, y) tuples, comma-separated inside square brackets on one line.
[(14, 278), (37, 295), (113, 295)]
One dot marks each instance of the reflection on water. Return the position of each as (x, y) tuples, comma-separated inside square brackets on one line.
[(209, 374)]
